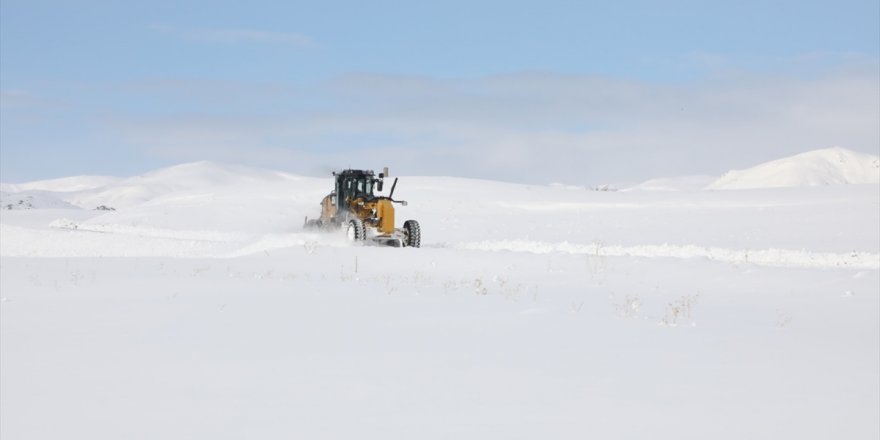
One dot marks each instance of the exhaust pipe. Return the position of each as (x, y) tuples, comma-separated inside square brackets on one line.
[(393, 185)]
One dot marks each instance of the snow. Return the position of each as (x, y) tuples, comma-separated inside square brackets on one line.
[(199, 308), (832, 166)]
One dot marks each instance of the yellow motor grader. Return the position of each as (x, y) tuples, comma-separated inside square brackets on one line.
[(365, 216)]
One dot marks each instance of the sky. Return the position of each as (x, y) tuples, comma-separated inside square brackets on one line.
[(573, 92)]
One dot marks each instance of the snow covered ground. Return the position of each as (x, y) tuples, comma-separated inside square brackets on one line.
[(198, 308)]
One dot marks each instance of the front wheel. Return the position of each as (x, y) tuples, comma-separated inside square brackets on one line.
[(413, 233), (355, 231)]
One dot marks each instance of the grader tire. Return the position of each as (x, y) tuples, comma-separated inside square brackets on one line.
[(413, 233), (356, 232)]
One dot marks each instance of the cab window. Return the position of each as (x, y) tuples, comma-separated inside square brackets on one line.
[(364, 186)]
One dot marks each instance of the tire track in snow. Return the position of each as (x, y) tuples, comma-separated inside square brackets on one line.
[(762, 257)]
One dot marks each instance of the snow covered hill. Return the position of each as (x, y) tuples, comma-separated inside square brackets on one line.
[(191, 177), (831, 166), (64, 184), (32, 199), (683, 183), (529, 312)]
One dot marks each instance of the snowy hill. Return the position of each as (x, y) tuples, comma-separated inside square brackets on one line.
[(197, 176), (64, 184), (528, 312), (208, 174), (89, 192), (32, 199), (683, 183), (831, 166)]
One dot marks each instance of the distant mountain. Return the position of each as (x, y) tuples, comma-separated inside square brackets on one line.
[(89, 192), (208, 174), (201, 175), (64, 184), (830, 166)]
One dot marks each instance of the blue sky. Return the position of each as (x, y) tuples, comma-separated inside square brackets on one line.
[(577, 92)]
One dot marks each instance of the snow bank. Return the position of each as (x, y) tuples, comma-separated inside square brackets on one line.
[(831, 166)]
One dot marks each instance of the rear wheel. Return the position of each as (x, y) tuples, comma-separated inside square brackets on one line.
[(413, 233), (355, 230)]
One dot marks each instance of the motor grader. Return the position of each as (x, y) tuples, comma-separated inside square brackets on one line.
[(366, 217)]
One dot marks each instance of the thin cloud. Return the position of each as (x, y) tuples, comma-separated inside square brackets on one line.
[(234, 36), (535, 127), (12, 97), (530, 127)]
